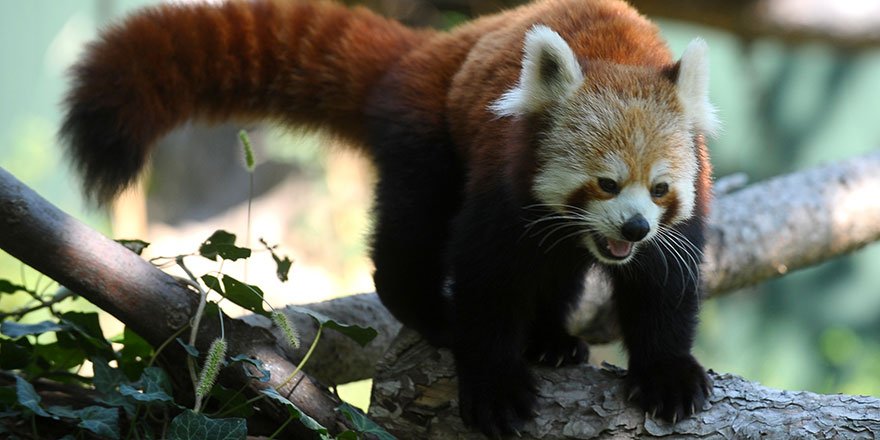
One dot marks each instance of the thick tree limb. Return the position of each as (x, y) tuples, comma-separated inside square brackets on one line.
[(146, 299), (415, 390)]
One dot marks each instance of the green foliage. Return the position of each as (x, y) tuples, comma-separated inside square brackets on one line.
[(193, 426), (131, 397), (222, 244)]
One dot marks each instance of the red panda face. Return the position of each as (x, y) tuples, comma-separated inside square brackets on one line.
[(622, 163), (617, 158)]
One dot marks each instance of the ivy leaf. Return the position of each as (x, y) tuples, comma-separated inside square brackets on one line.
[(27, 397), (213, 283), (190, 349), (57, 356), (256, 363), (363, 424), (222, 244), (153, 397), (136, 246), (361, 335), (106, 378), (8, 287), (134, 355), (16, 354), (295, 412), (192, 426), (245, 295), (100, 420), (232, 399), (64, 412), (155, 379), (85, 332), (16, 330)]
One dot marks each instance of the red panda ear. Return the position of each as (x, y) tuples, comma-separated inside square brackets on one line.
[(692, 81), (550, 73)]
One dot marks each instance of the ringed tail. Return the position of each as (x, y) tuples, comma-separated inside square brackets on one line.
[(305, 64)]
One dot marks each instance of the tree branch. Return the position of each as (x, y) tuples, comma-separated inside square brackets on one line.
[(146, 299), (415, 391)]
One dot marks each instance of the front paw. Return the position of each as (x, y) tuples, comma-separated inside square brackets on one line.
[(671, 389), (496, 402), (562, 349)]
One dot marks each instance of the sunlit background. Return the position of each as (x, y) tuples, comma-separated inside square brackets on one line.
[(786, 105)]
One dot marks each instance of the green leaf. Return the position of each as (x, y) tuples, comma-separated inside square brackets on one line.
[(222, 244), (17, 330), (213, 283), (363, 424), (63, 411), (295, 412), (347, 435), (136, 246), (361, 335), (158, 396), (8, 287), (135, 354), (232, 400), (192, 426), (100, 420), (27, 397), (190, 349), (282, 264), (106, 378), (264, 373), (155, 380), (245, 295), (154, 386), (57, 356), (85, 333), (15, 354)]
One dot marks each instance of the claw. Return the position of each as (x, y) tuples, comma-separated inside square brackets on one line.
[(574, 352), (674, 417), (541, 358), (693, 408), (654, 413), (558, 362), (516, 431)]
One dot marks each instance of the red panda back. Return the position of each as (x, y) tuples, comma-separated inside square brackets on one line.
[(310, 64)]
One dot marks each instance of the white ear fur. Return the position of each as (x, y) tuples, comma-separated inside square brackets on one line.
[(693, 87), (550, 72)]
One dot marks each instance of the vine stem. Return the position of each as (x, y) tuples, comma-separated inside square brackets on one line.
[(196, 320), (304, 359)]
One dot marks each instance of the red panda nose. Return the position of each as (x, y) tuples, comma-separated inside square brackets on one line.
[(636, 228)]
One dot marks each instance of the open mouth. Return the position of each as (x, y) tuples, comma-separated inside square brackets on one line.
[(613, 249)]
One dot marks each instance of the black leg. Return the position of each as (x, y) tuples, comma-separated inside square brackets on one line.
[(503, 280), (417, 195), (549, 341), (658, 300)]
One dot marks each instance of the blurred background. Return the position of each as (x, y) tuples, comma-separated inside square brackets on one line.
[(797, 84)]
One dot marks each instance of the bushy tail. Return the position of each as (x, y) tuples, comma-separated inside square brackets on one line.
[(297, 63)]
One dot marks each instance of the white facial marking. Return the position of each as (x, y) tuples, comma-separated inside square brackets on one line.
[(550, 73)]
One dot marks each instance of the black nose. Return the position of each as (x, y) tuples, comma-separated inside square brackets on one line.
[(636, 228)]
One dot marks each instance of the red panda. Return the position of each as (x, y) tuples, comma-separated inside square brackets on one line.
[(513, 153)]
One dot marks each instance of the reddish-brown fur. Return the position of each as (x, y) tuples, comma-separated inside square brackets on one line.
[(456, 182)]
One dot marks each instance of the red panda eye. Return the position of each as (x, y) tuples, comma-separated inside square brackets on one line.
[(608, 185), (660, 190)]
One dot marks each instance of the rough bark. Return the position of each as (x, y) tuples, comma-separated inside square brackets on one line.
[(415, 390)]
